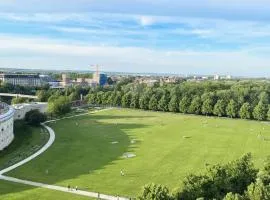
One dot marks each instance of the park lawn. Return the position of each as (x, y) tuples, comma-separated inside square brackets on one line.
[(167, 147), (14, 191), (27, 141)]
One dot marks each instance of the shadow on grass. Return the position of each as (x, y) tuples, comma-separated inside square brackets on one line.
[(82, 146), (27, 141)]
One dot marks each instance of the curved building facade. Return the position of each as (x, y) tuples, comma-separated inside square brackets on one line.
[(6, 125)]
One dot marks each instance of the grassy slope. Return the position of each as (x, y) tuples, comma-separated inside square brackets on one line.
[(13, 191), (27, 141), (83, 155)]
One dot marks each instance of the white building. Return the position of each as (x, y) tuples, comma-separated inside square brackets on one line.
[(22, 109), (21, 79), (216, 77), (6, 125)]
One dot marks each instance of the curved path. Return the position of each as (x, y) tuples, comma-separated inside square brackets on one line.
[(44, 148), (53, 187)]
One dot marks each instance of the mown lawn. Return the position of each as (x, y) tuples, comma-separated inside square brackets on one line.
[(27, 141), (88, 151), (13, 191)]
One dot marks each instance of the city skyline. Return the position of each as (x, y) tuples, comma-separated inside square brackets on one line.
[(198, 37)]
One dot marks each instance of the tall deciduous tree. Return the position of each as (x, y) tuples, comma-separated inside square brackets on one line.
[(59, 105), (184, 105), (135, 101), (155, 192), (163, 103), (196, 105), (260, 111), (126, 100), (174, 104), (117, 99), (245, 111), (220, 108), (207, 107), (232, 109), (153, 103)]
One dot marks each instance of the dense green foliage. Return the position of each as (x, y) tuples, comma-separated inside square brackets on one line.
[(59, 105), (18, 100), (237, 180), (155, 192), (244, 99), (35, 117)]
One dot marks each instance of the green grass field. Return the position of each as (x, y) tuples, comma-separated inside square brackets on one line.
[(167, 146), (13, 191), (27, 141)]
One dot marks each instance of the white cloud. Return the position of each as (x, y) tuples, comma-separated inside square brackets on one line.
[(146, 20), (42, 52)]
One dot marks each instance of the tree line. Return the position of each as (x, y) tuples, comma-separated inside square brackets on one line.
[(244, 99)]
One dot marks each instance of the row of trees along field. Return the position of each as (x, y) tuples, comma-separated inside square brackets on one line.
[(237, 180), (244, 99)]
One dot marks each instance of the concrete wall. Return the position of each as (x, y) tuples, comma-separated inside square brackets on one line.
[(22, 109)]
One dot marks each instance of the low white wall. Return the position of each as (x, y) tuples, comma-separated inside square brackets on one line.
[(6, 128), (22, 109)]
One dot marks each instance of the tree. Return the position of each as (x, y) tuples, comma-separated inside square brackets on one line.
[(219, 180), (264, 97), (207, 107), (173, 104), (126, 100), (184, 105), (195, 106), (35, 117), (260, 111), (257, 191), (144, 102), (153, 103), (18, 100), (231, 196), (92, 98), (268, 113), (264, 174), (99, 97), (245, 111), (220, 108), (117, 99), (155, 192), (43, 95), (163, 103), (135, 101), (110, 81), (59, 105), (232, 109), (74, 96)]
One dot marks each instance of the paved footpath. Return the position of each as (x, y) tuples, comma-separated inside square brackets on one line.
[(53, 187)]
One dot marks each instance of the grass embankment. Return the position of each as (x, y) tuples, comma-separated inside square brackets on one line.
[(27, 141)]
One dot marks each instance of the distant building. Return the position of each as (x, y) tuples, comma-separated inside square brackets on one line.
[(100, 78), (21, 79), (228, 77), (216, 77), (65, 80)]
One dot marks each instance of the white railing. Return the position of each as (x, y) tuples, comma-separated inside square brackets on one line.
[(18, 95)]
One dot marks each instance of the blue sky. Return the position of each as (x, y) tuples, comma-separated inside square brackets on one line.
[(185, 37)]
